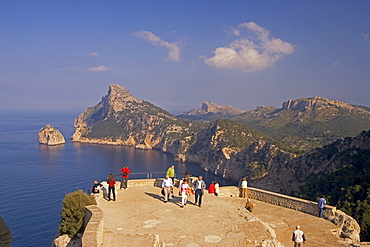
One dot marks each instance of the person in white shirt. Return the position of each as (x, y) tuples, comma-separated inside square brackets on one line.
[(244, 188), (217, 188), (167, 187), (298, 237)]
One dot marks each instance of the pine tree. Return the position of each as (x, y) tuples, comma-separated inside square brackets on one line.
[(73, 211)]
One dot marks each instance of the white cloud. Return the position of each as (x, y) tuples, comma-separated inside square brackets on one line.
[(173, 48), (334, 65), (100, 68), (365, 36), (94, 54), (249, 55)]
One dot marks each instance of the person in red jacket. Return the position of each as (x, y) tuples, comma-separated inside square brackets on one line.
[(111, 183), (211, 188), (125, 174)]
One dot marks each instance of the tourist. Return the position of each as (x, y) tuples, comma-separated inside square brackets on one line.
[(211, 188), (188, 177), (199, 186), (298, 237), (321, 205), (171, 173), (217, 188), (184, 192), (96, 188), (187, 174), (6, 238), (249, 205), (125, 173), (167, 187), (111, 188), (244, 187)]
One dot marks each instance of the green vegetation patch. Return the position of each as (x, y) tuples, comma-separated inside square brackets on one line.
[(73, 212)]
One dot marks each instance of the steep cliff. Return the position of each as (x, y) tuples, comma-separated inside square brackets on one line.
[(50, 136), (232, 150), (121, 119), (287, 177)]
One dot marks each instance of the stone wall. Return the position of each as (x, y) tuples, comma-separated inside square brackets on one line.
[(94, 221), (348, 226)]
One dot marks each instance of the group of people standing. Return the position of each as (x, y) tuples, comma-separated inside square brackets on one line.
[(187, 187), (111, 181)]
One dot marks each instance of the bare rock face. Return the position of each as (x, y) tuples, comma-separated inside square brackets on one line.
[(50, 136)]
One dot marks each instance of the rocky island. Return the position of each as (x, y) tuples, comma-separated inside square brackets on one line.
[(50, 136)]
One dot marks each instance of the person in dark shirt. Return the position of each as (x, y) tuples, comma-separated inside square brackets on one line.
[(96, 187)]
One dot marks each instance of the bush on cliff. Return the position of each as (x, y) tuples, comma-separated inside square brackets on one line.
[(73, 212)]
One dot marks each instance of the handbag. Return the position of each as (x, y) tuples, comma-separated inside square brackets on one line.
[(162, 191)]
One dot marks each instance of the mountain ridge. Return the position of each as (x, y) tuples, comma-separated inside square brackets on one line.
[(304, 123), (225, 147)]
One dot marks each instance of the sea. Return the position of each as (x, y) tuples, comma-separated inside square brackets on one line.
[(34, 178)]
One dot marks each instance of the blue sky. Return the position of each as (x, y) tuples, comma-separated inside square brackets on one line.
[(62, 55)]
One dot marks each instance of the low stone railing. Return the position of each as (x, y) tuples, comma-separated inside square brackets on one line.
[(348, 226), (94, 221)]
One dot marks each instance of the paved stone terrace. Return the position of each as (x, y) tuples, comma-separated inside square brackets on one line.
[(139, 217)]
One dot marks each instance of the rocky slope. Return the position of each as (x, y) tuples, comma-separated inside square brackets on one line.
[(287, 177), (50, 136)]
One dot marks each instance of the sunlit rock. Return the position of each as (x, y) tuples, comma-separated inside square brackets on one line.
[(50, 136)]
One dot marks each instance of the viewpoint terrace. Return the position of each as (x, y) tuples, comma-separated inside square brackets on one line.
[(140, 218)]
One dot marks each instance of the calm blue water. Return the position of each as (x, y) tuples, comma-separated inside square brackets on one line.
[(34, 178)]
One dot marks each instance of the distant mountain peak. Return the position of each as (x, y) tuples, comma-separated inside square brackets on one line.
[(209, 107), (316, 101)]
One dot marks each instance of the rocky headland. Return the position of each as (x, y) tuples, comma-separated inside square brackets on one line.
[(227, 147), (50, 136)]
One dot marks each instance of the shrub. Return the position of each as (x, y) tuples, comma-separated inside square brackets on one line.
[(73, 211)]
